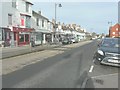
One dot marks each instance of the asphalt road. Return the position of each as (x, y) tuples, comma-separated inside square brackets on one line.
[(66, 70)]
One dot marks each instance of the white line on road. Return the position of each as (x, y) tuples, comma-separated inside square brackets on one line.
[(91, 68), (105, 75)]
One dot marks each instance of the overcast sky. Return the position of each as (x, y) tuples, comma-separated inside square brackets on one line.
[(93, 16)]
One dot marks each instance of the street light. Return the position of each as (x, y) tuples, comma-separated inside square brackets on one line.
[(110, 27), (59, 5)]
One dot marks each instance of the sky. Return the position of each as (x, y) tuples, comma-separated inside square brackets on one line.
[(93, 16)]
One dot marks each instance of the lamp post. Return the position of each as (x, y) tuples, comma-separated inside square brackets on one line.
[(110, 27), (59, 5)]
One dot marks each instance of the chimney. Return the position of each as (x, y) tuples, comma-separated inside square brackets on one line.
[(39, 12)]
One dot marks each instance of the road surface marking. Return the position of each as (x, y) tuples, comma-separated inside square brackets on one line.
[(93, 60), (91, 68), (104, 75)]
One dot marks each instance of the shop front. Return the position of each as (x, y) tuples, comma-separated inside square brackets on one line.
[(5, 37), (22, 36), (38, 38), (48, 38)]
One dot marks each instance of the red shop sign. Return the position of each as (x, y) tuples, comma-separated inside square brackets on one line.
[(16, 29)]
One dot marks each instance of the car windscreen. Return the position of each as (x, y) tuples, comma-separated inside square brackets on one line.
[(115, 43)]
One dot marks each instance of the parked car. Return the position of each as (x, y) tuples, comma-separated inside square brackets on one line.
[(66, 41), (108, 52), (74, 40)]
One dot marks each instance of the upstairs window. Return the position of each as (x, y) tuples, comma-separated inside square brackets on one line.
[(27, 7), (9, 19), (42, 23), (22, 21), (113, 33), (37, 21), (116, 29), (14, 3), (28, 22)]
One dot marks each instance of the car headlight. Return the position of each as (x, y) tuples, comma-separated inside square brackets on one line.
[(101, 52)]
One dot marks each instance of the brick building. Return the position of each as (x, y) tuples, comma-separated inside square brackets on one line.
[(114, 31)]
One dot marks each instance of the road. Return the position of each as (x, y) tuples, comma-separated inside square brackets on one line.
[(65, 70)]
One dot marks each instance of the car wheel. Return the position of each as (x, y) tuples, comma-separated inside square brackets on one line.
[(96, 62)]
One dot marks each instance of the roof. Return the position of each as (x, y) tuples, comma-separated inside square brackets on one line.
[(28, 2), (34, 12), (116, 25)]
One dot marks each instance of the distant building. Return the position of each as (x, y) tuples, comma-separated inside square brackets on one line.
[(114, 31)]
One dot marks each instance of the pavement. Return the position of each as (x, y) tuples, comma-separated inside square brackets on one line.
[(17, 62), (71, 67), (7, 52)]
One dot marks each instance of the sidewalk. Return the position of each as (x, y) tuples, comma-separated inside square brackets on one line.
[(14, 51), (15, 63)]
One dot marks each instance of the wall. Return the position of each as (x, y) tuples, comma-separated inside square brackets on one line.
[(22, 7), (113, 29), (8, 9)]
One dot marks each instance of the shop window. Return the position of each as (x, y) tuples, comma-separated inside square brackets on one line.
[(27, 37), (21, 38), (38, 37), (15, 36)]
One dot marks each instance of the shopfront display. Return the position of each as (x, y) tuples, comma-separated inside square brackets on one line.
[(5, 37), (22, 35)]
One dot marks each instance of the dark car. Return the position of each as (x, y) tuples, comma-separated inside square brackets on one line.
[(108, 52), (66, 41)]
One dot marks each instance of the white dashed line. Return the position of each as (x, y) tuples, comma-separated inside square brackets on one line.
[(91, 68)]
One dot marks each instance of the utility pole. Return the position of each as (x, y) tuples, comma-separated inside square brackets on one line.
[(110, 27), (56, 19)]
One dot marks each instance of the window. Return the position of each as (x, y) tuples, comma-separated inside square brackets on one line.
[(14, 3), (27, 7), (22, 21), (27, 37), (113, 32), (9, 19), (42, 23), (37, 21), (116, 29), (1, 34), (39, 37), (28, 22), (21, 38)]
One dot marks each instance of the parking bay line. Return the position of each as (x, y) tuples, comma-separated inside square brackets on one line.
[(91, 68), (93, 60)]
